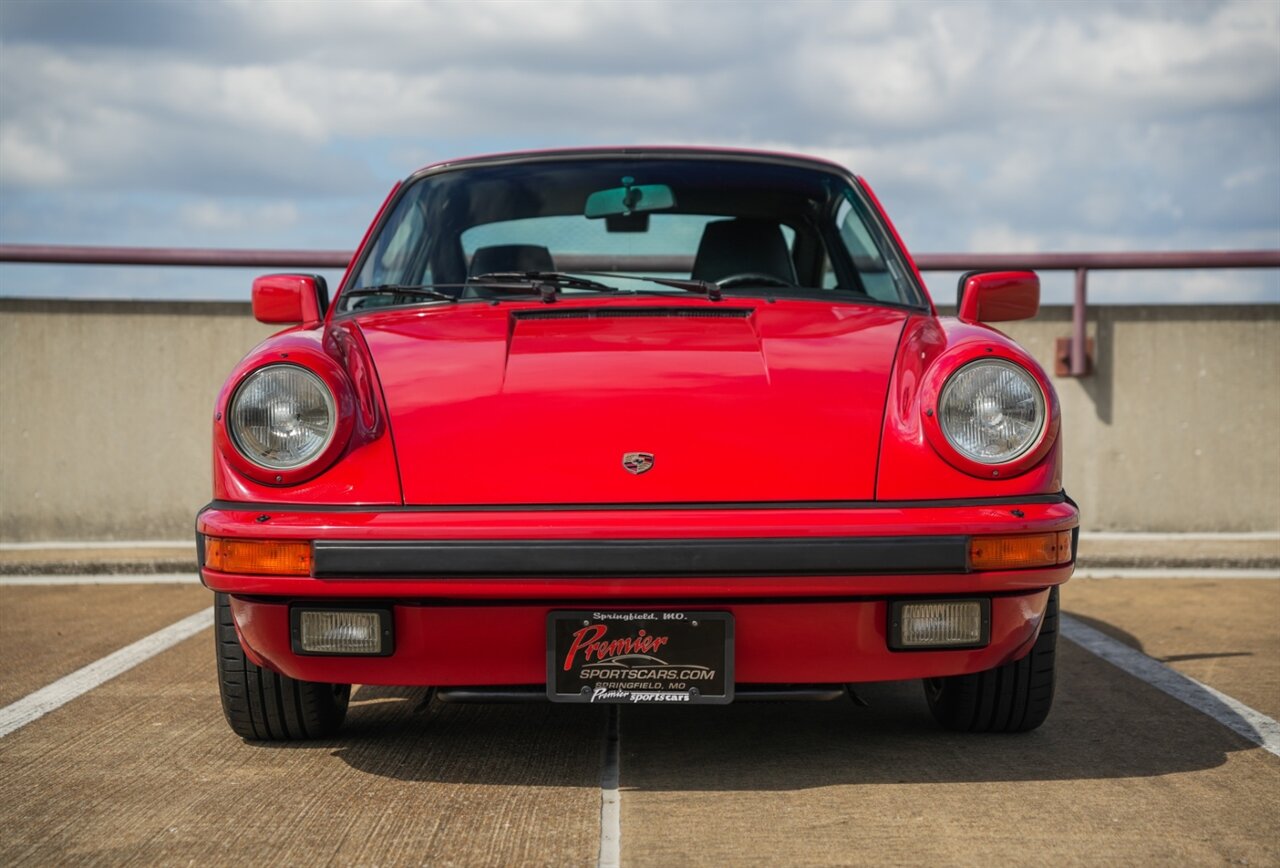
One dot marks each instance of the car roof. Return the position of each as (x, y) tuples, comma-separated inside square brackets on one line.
[(598, 152)]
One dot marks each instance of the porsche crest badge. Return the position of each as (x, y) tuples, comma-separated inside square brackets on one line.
[(637, 462)]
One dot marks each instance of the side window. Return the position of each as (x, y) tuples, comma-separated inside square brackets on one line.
[(789, 235), (877, 275), (393, 260), (829, 279)]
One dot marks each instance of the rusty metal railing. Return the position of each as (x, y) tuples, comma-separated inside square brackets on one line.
[(1077, 357), (1078, 362)]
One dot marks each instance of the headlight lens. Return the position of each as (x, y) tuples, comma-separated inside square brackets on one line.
[(991, 411), (281, 417)]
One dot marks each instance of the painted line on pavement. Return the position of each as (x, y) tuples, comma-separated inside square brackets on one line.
[(79, 545), (1203, 573), (100, 579), (59, 693), (1231, 713), (610, 799), (1196, 536)]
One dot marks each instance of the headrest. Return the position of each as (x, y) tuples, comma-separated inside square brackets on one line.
[(743, 246), (510, 257)]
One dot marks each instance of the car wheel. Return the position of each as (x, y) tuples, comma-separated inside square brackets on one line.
[(1015, 697), (263, 705)]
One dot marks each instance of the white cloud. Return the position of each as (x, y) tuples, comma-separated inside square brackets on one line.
[(1004, 238), (211, 214), (24, 161), (981, 124)]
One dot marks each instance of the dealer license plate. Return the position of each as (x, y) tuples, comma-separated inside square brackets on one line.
[(649, 657)]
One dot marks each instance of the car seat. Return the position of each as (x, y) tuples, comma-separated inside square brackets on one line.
[(743, 246)]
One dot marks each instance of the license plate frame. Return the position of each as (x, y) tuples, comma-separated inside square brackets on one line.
[(690, 657)]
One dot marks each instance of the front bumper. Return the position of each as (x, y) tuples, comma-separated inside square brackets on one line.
[(470, 588)]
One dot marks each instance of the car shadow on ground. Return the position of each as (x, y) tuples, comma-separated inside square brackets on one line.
[(1105, 724)]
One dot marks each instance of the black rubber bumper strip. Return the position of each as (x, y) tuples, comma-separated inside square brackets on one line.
[(807, 556)]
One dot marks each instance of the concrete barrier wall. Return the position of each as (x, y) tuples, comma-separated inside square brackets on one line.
[(1177, 428), (105, 413)]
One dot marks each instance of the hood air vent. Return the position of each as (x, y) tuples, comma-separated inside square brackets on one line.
[(636, 312)]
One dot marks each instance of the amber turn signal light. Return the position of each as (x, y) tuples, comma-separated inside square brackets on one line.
[(1020, 551), (258, 557), (1064, 546)]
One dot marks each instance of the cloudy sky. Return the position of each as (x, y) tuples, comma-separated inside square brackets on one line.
[(984, 126)]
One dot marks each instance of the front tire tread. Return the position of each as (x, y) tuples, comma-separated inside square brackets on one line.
[(261, 705)]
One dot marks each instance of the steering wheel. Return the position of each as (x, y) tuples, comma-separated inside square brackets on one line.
[(753, 277)]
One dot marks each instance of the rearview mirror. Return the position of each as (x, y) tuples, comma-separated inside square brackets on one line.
[(286, 299), (629, 199), (998, 296)]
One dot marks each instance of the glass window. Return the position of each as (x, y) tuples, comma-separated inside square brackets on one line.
[(873, 267), (752, 226)]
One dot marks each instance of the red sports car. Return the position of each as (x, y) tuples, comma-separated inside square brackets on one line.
[(635, 425)]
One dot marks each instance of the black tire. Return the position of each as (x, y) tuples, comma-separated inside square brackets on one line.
[(261, 705), (1015, 697)]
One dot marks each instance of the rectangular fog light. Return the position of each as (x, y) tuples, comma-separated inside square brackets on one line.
[(924, 624), (352, 632)]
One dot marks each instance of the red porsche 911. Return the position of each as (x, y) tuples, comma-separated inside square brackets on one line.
[(635, 425)]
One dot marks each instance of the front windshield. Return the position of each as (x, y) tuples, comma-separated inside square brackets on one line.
[(748, 227)]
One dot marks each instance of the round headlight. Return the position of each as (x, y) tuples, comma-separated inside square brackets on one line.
[(281, 417), (991, 411)]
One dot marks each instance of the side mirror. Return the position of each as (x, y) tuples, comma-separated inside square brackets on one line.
[(998, 296), (286, 299)]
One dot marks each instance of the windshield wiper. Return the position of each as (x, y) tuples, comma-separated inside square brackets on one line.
[(426, 290), (546, 283), (706, 287)]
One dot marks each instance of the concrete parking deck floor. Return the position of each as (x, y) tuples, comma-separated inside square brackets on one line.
[(143, 769)]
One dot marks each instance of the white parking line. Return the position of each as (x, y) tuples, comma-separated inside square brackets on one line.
[(101, 579), (1190, 536), (1202, 573), (610, 799), (62, 691), (1231, 713), (79, 545)]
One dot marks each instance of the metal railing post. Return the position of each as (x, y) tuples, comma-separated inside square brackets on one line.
[(1079, 350)]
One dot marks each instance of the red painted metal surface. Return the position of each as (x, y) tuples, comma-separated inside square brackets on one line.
[(358, 466), (782, 403), (915, 459), (290, 519), (613, 591), (999, 296), (286, 299), (774, 643)]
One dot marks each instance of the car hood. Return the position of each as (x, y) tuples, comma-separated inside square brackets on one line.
[(737, 401)]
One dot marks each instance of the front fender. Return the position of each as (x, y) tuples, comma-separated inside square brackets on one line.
[(911, 465)]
